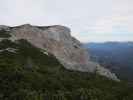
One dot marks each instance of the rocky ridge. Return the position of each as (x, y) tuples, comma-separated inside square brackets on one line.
[(58, 41)]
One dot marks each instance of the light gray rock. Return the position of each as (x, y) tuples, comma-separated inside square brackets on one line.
[(58, 41), (13, 50), (106, 72)]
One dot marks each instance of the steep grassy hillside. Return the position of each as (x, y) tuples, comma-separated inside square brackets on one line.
[(29, 73)]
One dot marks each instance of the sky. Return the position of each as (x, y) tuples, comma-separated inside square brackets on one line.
[(89, 20)]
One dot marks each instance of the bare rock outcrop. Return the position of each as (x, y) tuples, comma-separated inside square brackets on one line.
[(58, 41)]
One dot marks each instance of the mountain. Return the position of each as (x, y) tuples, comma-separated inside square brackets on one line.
[(58, 41), (117, 56), (31, 72)]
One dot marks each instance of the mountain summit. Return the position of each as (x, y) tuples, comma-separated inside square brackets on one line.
[(58, 41)]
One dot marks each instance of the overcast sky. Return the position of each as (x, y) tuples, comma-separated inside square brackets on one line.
[(89, 20)]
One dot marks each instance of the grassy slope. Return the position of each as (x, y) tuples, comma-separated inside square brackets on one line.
[(29, 74)]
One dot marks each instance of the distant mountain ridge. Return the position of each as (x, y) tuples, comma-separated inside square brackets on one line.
[(117, 56)]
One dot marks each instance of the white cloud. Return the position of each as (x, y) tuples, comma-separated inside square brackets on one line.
[(87, 18)]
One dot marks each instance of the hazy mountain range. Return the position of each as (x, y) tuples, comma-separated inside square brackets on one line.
[(117, 56)]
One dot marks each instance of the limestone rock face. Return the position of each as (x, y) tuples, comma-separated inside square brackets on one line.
[(58, 41)]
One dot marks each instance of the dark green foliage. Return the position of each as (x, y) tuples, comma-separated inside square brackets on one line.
[(29, 74), (4, 34)]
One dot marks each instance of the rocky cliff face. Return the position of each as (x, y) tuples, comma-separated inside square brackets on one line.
[(58, 41)]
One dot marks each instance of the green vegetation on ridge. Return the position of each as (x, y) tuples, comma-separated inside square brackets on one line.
[(4, 34), (29, 74)]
